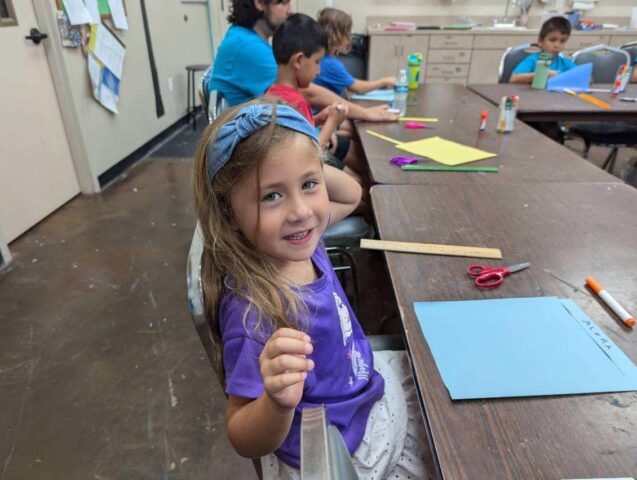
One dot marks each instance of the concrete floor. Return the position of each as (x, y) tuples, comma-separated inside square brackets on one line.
[(102, 375)]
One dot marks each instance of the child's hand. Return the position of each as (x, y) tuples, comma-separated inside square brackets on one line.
[(380, 114), (284, 366), (389, 81), (321, 117), (338, 112), (553, 73)]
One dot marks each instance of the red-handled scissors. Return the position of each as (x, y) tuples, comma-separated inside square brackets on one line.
[(491, 277)]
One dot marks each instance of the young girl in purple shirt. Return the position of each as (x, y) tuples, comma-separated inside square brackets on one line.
[(285, 333)]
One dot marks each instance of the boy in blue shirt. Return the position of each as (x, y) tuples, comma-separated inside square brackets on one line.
[(552, 38), (334, 76)]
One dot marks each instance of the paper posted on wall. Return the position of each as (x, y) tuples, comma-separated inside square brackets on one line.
[(77, 12), (94, 10), (118, 14), (105, 65)]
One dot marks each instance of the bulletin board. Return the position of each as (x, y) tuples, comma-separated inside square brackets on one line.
[(105, 11)]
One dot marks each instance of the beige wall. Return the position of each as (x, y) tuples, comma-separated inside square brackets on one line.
[(176, 43), (360, 9)]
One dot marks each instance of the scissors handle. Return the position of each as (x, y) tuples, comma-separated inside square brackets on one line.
[(490, 279), (476, 270)]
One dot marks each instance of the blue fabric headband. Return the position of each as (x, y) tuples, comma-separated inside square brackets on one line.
[(245, 123)]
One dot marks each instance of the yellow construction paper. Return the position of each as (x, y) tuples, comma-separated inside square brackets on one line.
[(383, 137), (445, 151), (417, 119)]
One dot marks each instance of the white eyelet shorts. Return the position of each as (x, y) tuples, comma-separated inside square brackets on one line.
[(395, 444)]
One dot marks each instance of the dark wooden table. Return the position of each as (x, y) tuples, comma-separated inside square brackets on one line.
[(544, 106), (524, 155), (567, 232)]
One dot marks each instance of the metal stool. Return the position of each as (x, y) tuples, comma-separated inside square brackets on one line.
[(191, 70)]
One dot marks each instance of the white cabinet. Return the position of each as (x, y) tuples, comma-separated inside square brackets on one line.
[(484, 66), (388, 53), (471, 57)]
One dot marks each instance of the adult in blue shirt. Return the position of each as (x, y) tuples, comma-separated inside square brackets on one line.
[(245, 67), (552, 39)]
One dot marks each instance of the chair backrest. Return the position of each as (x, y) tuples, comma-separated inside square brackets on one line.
[(606, 61), (195, 292), (212, 102), (511, 58), (631, 48)]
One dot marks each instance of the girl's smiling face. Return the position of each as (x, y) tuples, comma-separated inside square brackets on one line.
[(283, 209)]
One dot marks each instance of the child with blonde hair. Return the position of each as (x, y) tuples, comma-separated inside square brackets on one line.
[(285, 334), (334, 76)]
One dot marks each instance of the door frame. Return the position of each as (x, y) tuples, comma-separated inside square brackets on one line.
[(53, 48), (5, 254)]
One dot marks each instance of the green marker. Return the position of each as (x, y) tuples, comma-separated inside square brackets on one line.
[(442, 168)]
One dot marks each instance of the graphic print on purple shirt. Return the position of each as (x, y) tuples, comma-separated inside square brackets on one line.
[(343, 377)]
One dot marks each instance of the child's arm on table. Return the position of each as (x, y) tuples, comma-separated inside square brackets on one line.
[(364, 86), (344, 193), (320, 97), (258, 427)]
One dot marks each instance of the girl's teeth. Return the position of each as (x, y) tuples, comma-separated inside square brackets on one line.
[(297, 236)]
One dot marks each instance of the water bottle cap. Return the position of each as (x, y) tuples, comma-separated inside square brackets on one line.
[(415, 58)]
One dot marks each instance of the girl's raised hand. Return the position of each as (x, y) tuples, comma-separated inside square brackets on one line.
[(284, 366)]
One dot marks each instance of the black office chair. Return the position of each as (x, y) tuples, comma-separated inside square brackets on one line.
[(355, 61), (606, 61), (511, 59), (631, 48), (323, 452), (614, 135)]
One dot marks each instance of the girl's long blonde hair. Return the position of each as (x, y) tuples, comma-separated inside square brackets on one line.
[(338, 26), (229, 261)]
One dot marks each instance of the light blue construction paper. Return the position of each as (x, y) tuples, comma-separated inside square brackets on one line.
[(577, 79), (520, 347), (376, 95)]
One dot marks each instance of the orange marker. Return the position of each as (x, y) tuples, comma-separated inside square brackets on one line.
[(626, 317), (593, 100)]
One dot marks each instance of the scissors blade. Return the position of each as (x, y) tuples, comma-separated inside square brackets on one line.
[(519, 266)]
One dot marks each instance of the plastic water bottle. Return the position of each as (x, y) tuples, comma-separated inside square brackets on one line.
[(414, 61), (400, 94)]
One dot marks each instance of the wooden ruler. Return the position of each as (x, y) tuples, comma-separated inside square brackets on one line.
[(431, 249)]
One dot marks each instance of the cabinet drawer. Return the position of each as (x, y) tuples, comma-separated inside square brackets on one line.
[(449, 56), (451, 41), (584, 41), (446, 70), (491, 42), (458, 81)]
